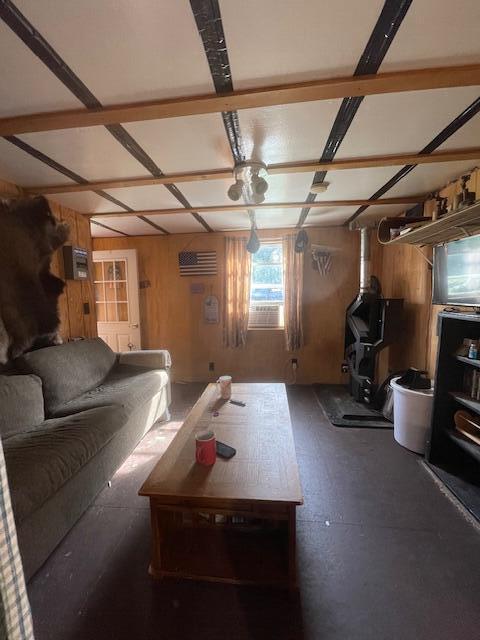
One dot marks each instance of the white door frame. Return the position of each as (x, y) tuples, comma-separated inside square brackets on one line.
[(133, 323)]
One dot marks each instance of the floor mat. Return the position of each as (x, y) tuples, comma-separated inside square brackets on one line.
[(343, 411)]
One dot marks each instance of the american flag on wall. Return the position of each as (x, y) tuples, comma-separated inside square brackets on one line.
[(197, 263)]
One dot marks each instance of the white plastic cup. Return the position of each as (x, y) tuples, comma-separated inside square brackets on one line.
[(412, 412), (225, 385)]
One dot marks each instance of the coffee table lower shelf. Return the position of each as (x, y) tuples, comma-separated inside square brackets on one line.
[(195, 546)]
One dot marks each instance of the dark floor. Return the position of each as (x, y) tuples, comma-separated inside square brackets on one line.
[(382, 554)]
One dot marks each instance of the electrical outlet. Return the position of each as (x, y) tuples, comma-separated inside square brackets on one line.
[(211, 366)]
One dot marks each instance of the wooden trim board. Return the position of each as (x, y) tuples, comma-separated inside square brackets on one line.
[(329, 89), (270, 205), (274, 169)]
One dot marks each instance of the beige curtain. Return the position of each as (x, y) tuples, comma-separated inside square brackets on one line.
[(293, 278), (237, 292)]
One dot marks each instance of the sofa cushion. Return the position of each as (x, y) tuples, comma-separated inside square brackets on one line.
[(68, 370), (126, 386), (39, 462), (21, 404)]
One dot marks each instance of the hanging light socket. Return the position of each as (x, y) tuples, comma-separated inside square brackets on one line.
[(235, 190)]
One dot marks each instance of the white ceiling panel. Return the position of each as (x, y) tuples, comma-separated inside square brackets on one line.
[(276, 218), (85, 202), (403, 122), (126, 51), (429, 177), (288, 187), (436, 33), (228, 221), (91, 152), (352, 184), (26, 84), (374, 214), (207, 194), (193, 143), (467, 136), (178, 223), (146, 198), (22, 169), (100, 232), (287, 133), (276, 41), (130, 224), (339, 215), (329, 216)]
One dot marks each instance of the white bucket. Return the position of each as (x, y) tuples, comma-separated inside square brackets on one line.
[(412, 411)]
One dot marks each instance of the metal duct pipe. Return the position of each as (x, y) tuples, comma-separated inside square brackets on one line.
[(365, 263)]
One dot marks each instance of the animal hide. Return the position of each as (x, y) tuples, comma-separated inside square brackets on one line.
[(29, 292)]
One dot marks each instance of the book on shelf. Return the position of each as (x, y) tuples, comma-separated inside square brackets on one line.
[(471, 384)]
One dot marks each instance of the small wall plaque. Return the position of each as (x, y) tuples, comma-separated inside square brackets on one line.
[(197, 287)]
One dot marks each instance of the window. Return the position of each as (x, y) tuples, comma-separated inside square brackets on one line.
[(110, 284), (267, 287)]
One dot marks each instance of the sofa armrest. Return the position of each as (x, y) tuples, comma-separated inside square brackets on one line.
[(150, 359)]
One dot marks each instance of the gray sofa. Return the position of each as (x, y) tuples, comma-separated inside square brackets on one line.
[(69, 416)]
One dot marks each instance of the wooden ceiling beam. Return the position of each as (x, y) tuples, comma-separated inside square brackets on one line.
[(274, 169), (328, 89), (266, 205)]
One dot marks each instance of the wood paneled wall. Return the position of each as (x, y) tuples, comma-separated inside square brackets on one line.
[(172, 316), (74, 321), (404, 273)]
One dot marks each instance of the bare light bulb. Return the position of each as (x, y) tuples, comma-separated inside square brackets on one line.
[(235, 190)]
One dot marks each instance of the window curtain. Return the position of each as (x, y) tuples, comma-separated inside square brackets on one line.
[(237, 292), (15, 616), (293, 278)]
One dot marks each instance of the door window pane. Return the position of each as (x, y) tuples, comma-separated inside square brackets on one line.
[(122, 311), (110, 290), (111, 312), (120, 270), (98, 271), (122, 292), (99, 291), (101, 312), (108, 271)]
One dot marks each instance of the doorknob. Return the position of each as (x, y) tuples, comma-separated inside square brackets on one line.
[(134, 326)]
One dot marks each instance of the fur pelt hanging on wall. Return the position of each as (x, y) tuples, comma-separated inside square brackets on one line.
[(29, 292)]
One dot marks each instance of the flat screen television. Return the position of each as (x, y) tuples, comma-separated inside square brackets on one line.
[(456, 273)]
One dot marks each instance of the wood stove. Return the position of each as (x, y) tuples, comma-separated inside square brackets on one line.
[(371, 323)]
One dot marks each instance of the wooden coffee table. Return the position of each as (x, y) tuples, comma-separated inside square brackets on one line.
[(235, 521)]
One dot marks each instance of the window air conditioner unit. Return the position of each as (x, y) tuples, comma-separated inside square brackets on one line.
[(265, 315)]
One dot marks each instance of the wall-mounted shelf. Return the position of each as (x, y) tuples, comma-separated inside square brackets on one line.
[(452, 226)]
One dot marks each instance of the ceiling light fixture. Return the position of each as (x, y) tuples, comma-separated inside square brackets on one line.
[(250, 181), (319, 187)]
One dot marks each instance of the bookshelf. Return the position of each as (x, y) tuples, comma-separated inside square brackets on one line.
[(453, 455)]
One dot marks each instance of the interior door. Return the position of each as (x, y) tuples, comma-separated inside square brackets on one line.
[(116, 298)]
